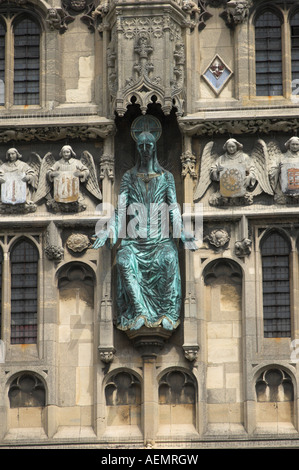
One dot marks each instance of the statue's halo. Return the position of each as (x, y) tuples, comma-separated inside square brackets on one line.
[(146, 123)]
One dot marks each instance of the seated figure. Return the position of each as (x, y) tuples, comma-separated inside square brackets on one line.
[(148, 281)]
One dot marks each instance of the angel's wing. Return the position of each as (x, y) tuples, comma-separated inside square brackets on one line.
[(35, 162), (207, 159), (44, 186), (91, 184), (261, 160), (274, 153)]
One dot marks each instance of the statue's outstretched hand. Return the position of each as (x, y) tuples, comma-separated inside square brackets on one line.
[(189, 241), (101, 238)]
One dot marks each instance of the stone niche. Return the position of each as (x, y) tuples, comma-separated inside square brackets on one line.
[(275, 401), (123, 403), (177, 403), (223, 306), (75, 344)]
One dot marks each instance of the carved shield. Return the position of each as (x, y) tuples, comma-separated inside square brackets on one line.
[(66, 187), (290, 178), (232, 179), (14, 190)]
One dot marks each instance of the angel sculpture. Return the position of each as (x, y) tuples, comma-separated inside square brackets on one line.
[(64, 178), (236, 176), (284, 170), (18, 182)]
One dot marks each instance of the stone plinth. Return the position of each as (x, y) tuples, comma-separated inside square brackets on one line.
[(149, 341)]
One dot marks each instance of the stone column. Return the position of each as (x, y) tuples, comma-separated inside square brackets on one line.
[(190, 305), (149, 342), (242, 54)]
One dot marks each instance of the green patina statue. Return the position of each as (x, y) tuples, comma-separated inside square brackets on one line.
[(148, 281)]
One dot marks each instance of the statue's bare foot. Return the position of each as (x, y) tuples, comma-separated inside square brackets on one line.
[(167, 324), (139, 323)]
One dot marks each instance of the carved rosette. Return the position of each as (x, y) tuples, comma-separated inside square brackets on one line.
[(218, 238), (78, 242)]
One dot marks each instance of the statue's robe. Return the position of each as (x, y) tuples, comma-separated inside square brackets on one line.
[(148, 281)]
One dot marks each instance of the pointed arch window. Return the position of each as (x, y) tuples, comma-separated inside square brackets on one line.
[(276, 286), (24, 292), (26, 62), (268, 55), (20, 57), (294, 23), (2, 64)]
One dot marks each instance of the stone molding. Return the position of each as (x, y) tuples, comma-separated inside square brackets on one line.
[(238, 126)]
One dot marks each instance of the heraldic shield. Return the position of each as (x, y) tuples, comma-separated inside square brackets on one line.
[(290, 178), (66, 187), (14, 190), (232, 181)]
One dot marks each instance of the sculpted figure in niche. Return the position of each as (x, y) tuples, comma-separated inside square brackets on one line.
[(61, 181), (18, 181), (236, 177), (284, 171), (148, 276)]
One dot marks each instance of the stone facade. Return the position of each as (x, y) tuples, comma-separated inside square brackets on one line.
[(216, 381)]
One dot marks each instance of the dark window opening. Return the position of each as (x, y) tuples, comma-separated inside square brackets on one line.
[(24, 297), (2, 64), (295, 46), (268, 55), (26, 62), (276, 287)]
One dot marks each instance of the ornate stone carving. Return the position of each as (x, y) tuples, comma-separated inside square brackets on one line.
[(236, 12), (197, 13), (243, 247), (60, 181), (142, 83), (53, 249), (18, 182), (106, 354), (239, 126), (107, 167), (284, 171), (237, 177), (102, 9), (188, 164), (219, 238), (54, 252), (111, 66), (55, 133), (58, 19), (78, 242), (191, 352), (85, 8)]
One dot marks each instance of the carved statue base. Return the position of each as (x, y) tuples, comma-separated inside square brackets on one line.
[(218, 200), (75, 206), (149, 341), (24, 208)]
